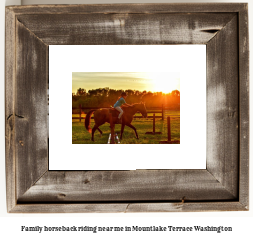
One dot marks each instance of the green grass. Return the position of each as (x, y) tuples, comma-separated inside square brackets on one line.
[(81, 136)]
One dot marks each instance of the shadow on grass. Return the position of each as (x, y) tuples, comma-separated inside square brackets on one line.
[(81, 136)]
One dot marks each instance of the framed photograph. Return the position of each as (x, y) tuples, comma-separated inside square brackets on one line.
[(152, 98), (167, 84)]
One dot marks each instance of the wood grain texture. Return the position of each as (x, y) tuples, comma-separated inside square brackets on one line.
[(244, 106), (120, 29), (129, 207), (9, 109), (223, 186), (129, 8), (30, 109), (186, 207), (140, 185), (222, 107)]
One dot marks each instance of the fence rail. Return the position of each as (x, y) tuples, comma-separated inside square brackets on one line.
[(159, 110), (83, 118)]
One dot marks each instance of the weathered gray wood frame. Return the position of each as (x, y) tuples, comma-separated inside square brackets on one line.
[(222, 186)]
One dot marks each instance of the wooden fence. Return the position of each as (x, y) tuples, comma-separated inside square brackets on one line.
[(153, 110)]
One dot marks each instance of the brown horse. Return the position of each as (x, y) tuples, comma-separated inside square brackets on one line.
[(101, 116)]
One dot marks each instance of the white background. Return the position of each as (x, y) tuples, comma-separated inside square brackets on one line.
[(63, 155), (10, 223)]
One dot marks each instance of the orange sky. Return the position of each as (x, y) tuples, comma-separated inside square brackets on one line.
[(149, 81)]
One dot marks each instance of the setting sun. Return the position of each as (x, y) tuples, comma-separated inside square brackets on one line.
[(162, 83), (142, 81)]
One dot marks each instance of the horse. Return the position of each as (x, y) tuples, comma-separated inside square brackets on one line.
[(102, 116)]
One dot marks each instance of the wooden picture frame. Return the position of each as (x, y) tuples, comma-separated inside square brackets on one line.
[(222, 186)]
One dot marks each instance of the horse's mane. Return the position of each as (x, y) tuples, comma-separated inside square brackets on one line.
[(129, 108), (132, 104)]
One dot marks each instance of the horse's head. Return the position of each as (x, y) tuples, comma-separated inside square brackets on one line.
[(142, 109)]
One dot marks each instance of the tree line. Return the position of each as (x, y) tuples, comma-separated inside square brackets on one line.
[(106, 97)]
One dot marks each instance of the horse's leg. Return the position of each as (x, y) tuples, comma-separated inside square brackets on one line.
[(131, 126), (122, 130), (93, 131), (100, 132)]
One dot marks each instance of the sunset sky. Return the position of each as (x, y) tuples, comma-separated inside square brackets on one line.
[(150, 81)]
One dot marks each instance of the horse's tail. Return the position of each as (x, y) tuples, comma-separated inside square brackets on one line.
[(87, 121)]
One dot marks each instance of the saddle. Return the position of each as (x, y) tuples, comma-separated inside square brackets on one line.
[(115, 114)]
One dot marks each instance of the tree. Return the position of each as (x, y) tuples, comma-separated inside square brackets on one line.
[(81, 92), (105, 97), (175, 93)]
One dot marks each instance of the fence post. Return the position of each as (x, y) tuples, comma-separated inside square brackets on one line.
[(168, 125), (169, 133), (162, 113), (154, 123), (80, 112), (153, 132)]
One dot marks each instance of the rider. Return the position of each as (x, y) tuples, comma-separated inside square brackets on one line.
[(119, 103)]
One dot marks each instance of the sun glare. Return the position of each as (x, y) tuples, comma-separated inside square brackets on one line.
[(161, 82), (142, 81)]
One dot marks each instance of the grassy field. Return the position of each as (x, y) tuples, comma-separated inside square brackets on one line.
[(81, 136)]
